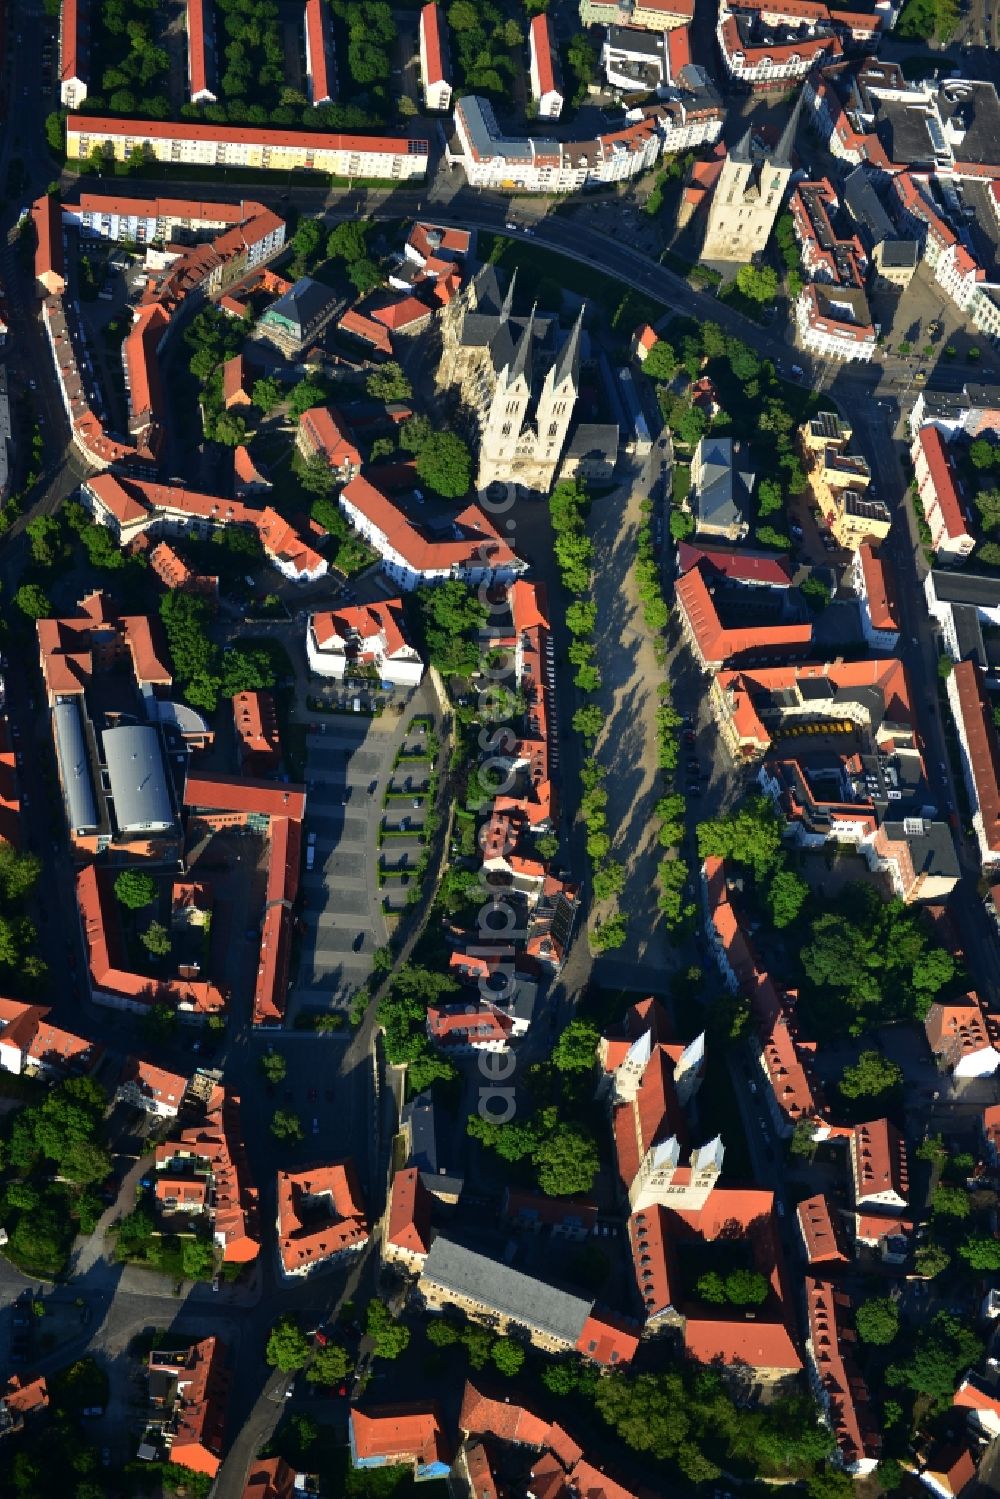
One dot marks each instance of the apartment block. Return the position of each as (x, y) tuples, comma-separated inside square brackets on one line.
[(979, 744), (940, 497), (544, 71), (435, 64)]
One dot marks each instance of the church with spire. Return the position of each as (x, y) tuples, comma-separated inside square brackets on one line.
[(748, 196), (518, 377)]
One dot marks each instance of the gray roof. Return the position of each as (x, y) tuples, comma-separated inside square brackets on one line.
[(74, 769), (527, 1301), (302, 304), (966, 588), (138, 780), (592, 440), (932, 850), (720, 500), (866, 208), (421, 1114), (899, 252)]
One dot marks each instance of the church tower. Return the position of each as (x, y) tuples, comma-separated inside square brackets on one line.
[(508, 412), (556, 402), (748, 197)]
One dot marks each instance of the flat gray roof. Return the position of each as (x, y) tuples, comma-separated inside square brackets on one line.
[(138, 779), (74, 770), (966, 588), (521, 1297)]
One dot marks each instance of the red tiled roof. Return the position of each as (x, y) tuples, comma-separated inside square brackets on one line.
[(678, 49), (74, 26), (218, 1142), (879, 587), (46, 212), (737, 565), (879, 1155), (847, 1396), (943, 481), (317, 20), (256, 721), (25, 1396), (400, 1432), (402, 314), (716, 642), (821, 1231), (482, 544), (432, 24), (155, 1082), (501, 1419), (409, 1224), (200, 1408), (960, 1028), (198, 47), (976, 713), (310, 1232), (99, 127), (270, 1478), (366, 329), (542, 51), (217, 792), (328, 434)]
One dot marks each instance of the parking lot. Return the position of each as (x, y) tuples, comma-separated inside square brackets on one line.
[(349, 763)]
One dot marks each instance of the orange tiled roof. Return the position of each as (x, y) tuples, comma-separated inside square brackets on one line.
[(309, 1233)]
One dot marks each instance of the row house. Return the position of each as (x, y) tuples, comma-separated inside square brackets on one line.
[(874, 582), (321, 62), (74, 52), (131, 507), (435, 63), (393, 158), (821, 1232), (364, 636), (30, 1046), (835, 322), (774, 46), (648, 15), (879, 1168), (940, 497), (690, 117), (201, 59), (258, 741), (406, 1237), (149, 220), (825, 256), (197, 1382), (474, 553), (836, 1380), (544, 72), (979, 748), (205, 1169)]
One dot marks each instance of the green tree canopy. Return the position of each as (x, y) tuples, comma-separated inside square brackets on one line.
[(877, 1320), (329, 1365), (750, 835), (388, 383), (870, 1076), (33, 601), (451, 616), (288, 1346), (759, 283), (576, 1049), (135, 889), (389, 1337)]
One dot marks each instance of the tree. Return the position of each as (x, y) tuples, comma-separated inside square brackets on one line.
[(507, 1356), (273, 1066), (871, 1076), (18, 873), (33, 601), (135, 889), (347, 241), (588, 721), (608, 881), (829, 1483), (287, 1126), (55, 131), (982, 453), (661, 361), (609, 935), (306, 243), (307, 393), (156, 939), (267, 393), (287, 1347), (83, 1161), (445, 463), (802, 1142), (389, 1338), (442, 1333), (388, 383), (452, 615), (750, 835), (197, 1259), (329, 1366), (364, 275), (950, 1202), (769, 497), (567, 1161), (758, 283), (45, 535), (576, 1049), (786, 895), (981, 1252), (939, 1355), (931, 1259), (877, 1320)]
